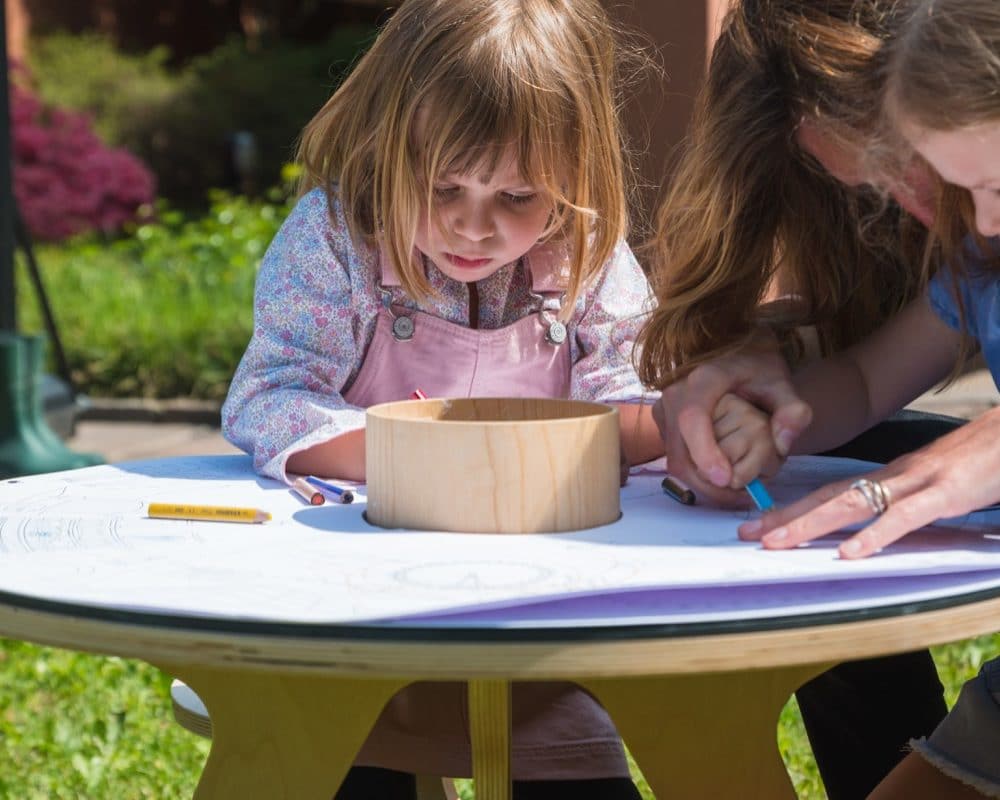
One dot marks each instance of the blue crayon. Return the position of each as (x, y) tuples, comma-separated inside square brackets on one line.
[(759, 495), (340, 493)]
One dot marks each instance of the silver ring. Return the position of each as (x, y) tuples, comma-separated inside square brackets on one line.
[(876, 494)]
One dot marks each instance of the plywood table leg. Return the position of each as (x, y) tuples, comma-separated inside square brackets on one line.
[(707, 735), (283, 736), (490, 731)]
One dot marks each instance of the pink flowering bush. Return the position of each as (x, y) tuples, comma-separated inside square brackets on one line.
[(66, 180)]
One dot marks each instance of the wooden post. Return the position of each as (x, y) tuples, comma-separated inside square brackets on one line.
[(657, 113), (18, 24)]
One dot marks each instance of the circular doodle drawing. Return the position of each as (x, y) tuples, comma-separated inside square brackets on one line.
[(465, 575)]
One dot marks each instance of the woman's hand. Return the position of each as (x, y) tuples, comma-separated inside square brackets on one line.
[(956, 474), (686, 410)]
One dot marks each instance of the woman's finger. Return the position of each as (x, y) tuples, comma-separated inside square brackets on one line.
[(904, 514), (849, 507), (754, 529), (697, 437)]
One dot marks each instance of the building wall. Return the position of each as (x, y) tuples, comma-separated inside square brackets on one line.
[(680, 34)]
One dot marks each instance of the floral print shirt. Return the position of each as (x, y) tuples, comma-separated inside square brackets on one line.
[(316, 302)]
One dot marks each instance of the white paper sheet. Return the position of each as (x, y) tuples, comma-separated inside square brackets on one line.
[(83, 537)]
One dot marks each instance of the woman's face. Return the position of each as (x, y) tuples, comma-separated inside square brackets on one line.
[(967, 157), (846, 163), (842, 161)]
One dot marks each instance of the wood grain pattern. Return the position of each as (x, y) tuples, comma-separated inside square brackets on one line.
[(492, 465), (284, 737), (681, 729), (490, 731), (440, 657), (698, 711)]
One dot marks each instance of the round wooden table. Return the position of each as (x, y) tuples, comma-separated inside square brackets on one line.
[(292, 698), (696, 705)]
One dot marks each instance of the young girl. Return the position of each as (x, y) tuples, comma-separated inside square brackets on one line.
[(461, 233), (942, 97)]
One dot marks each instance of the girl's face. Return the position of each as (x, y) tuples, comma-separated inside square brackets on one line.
[(967, 157), (481, 222)]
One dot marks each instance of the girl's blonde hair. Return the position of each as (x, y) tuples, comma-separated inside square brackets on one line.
[(944, 67), (749, 209), (943, 73), (451, 85)]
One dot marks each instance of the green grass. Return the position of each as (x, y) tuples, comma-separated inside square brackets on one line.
[(83, 726), (164, 313)]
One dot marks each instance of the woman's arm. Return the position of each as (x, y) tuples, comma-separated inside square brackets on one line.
[(954, 475), (852, 391)]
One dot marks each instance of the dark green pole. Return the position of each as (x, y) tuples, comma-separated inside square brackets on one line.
[(8, 320)]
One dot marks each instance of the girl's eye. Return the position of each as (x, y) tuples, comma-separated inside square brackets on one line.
[(520, 199), (445, 191)]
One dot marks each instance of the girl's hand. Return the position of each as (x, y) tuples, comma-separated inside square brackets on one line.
[(956, 474), (686, 409), (743, 433)]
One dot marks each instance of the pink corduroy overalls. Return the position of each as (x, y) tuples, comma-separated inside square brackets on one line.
[(559, 731)]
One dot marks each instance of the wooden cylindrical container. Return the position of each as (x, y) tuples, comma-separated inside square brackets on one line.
[(492, 465)]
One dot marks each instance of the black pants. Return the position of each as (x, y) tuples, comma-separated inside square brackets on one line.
[(372, 783), (860, 715)]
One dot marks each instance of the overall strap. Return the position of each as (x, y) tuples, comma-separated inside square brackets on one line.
[(386, 272), (548, 267)]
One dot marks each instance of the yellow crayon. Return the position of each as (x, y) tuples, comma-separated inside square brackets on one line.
[(212, 513)]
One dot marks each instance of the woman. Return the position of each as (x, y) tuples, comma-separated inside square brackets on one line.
[(770, 219)]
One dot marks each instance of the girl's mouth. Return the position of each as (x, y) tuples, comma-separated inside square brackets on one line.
[(467, 263)]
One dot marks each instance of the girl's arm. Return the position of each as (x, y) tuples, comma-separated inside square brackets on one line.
[(608, 319), (641, 440), (850, 392), (285, 405), (340, 457)]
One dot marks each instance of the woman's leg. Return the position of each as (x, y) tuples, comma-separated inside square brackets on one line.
[(960, 760), (915, 779), (375, 783), (861, 715)]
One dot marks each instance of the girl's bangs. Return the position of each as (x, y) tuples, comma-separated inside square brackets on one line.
[(472, 131)]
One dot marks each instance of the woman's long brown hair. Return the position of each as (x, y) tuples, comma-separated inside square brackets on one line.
[(749, 211)]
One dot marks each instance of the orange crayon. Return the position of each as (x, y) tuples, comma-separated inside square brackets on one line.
[(311, 495)]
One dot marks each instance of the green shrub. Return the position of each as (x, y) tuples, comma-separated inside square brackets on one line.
[(181, 122), (165, 313), (86, 73)]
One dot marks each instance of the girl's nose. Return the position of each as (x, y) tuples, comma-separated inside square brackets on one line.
[(475, 222), (988, 215)]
